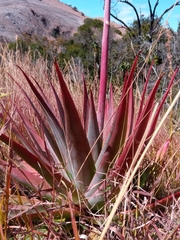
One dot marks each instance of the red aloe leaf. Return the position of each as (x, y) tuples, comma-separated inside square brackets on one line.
[(52, 146), (144, 91), (25, 154), (127, 103), (45, 169), (143, 120), (60, 108), (40, 90), (162, 102), (109, 114), (40, 144), (130, 149), (122, 120), (40, 149), (81, 166), (85, 107), (104, 66), (28, 178), (37, 140), (117, 136), (164, 201), (36, 210), (130, 112), (52, 121), (93, 130), (162, 151)]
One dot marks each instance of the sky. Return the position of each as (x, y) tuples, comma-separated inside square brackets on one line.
[(94, 8)]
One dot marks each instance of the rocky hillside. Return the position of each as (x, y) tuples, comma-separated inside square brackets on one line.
[(48, 18)]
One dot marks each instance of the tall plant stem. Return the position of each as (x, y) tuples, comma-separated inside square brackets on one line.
[(104, 65)]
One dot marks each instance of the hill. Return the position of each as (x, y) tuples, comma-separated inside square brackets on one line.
[(37, 17), (42, 18)]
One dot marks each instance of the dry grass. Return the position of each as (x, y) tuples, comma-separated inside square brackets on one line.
[(134, 218)]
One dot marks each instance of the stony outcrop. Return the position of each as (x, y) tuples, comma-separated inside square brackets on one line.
[(43, 18)]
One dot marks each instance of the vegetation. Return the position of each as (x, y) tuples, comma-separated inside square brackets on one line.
[(84, 49), (82, 159)]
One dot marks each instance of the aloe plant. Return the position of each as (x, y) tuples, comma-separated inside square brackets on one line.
[(82, 155), (79, 160)]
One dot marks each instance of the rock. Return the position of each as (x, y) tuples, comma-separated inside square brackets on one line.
[(42, 18)]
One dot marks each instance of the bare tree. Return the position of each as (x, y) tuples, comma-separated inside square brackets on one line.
[(154, 20)]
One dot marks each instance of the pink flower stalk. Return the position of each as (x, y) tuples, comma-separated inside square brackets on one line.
[(104, 65)]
